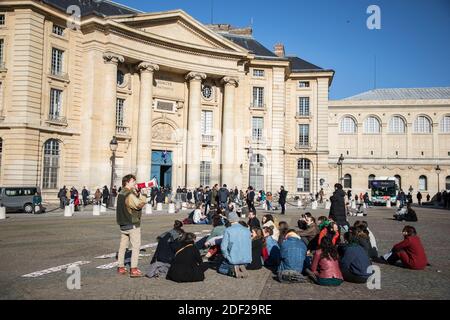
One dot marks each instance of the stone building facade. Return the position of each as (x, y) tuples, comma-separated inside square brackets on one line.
[(188, 103)]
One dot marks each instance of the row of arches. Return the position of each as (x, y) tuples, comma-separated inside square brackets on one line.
[(397, 125)]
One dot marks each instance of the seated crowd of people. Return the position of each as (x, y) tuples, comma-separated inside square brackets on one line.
[(318, 249)]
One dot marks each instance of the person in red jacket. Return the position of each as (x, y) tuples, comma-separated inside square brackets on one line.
[(410, 251)]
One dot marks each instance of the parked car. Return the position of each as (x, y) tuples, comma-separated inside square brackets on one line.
[(18, 198)]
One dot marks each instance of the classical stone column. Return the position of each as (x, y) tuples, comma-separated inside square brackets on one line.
[(194, 129), (108, 115), (144, 139), (230, 167)]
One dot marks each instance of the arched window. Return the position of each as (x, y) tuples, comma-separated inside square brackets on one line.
[(371, 178), (348, 125), (399, 181), (257, 172), (397, 125), (422, 125), (447, 183), (51, 164), (445, 124), (303, 175), (372, 125), (347, 181), (423, 183)]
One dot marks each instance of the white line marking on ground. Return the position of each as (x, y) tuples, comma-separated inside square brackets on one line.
[(54, 269), (113, 255)]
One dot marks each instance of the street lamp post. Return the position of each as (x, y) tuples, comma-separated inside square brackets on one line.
[(113, 145), (340, 162), (438, 172)]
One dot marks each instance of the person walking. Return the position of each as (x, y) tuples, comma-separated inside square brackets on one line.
[(250, 199), (419, 198), (62, 197), (128, 215), (282, 200), (105, 196), (85, 196)]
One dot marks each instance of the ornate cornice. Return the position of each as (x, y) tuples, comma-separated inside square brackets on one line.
[(113, 58), (197, 76), (229, 81), (147, 67)]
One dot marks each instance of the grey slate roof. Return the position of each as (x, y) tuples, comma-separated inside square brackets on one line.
[(101, 8), (403, 94), (250, 44), (298, 64)]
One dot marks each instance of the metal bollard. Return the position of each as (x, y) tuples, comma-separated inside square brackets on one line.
[(148, 208), (67, 211), (96, 211), (171, 208), (2, 213)]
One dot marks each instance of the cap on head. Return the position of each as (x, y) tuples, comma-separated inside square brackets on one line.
[(233, 217)]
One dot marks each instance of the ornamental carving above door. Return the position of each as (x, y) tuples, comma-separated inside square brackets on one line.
[(163, 132)]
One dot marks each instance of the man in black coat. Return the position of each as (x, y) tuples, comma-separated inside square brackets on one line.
[(282, 200), (251, 199), (105, 196), (223, 197), (85, 196), (337, 210)]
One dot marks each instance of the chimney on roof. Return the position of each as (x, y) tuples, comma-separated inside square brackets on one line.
[(279, 50)]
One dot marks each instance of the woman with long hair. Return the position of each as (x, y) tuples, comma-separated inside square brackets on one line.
[(257, 249), (269, 221)]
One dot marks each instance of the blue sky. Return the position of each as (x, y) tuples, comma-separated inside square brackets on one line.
[(412, 48)]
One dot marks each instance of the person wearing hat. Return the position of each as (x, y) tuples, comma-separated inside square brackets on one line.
[(236, 249)]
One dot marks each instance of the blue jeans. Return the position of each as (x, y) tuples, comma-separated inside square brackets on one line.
[(203, 222)]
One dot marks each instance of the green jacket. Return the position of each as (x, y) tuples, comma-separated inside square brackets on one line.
[(126, 216)]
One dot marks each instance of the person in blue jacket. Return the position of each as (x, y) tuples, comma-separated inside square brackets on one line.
[(293, 253)]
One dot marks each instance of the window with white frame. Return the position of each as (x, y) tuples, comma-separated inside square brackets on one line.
[(445, 124), (57, 61), (205, 173), (2, 49), (120, 104), (397, 125), (51, 164), (257, 128), (303, 135), (257, 172), (423, 183), (258, 73), (2, 19), (58, 30), (258, 97), (303, 175), (303, 106), (207, 122), (422, 125), (372, 125), (303, 84), (55, 110), (348, 125)]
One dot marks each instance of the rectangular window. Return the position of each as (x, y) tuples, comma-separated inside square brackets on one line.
[(2, 19), (2, 44), (120, 112), (303, 84), (258, 97), (303, 106), (303, 135), (57, 61), (258, 73), (257, 128), (205, 173), (55, 104), (207, 122), (58, 30)]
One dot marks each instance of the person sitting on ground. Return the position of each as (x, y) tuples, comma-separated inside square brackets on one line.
[(325, 269), (354, 262), (372, 247), (293, 253), (308, 227), (272, 247), (187, 265), (257, 249), (213, 241), (364, 241), (253, 221), (283, 227), (331, 227), (410, 251), (199, 217), (236, 249), (269, 221), (165, 251), (407, 214)]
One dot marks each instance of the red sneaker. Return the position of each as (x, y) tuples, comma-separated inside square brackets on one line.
[(122, 271), (136, 273)]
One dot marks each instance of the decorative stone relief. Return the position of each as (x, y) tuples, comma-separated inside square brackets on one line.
[(163, 132)]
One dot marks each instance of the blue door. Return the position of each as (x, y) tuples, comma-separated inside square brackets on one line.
[(162, 168)]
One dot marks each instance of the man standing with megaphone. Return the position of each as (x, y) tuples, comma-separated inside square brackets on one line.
[(130, 202)]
